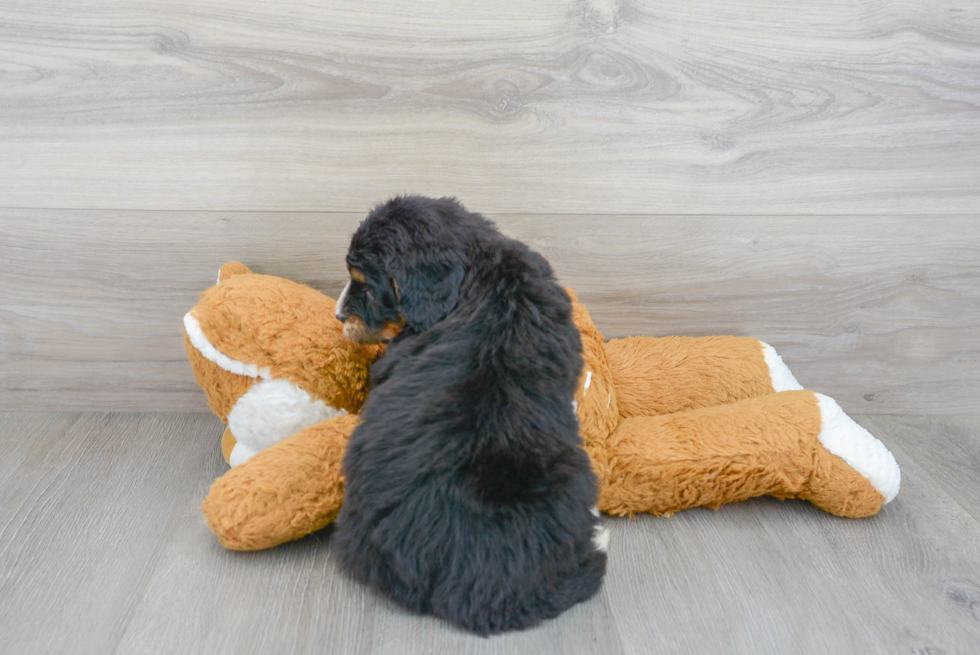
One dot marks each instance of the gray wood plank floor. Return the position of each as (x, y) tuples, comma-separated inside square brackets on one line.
[(103, 550)]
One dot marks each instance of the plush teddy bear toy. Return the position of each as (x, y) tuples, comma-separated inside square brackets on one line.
[(669, 423)]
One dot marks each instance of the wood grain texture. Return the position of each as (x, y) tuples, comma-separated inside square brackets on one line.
[(568, 106), (103, 550), (289, 600), (947, 447), (88, 504), (768, 576), (92, 305), (880, 313)]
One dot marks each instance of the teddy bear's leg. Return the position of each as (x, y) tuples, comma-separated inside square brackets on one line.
[(663, 375), (788, 444), (284, 492), (841, 436)]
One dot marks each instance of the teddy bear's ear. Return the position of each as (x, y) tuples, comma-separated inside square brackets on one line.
[(232, 268)]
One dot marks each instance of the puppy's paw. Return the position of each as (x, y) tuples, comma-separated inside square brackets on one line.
[(600, 535)]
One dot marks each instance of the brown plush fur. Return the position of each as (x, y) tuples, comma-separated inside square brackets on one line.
[(284, 492), (598, 410), (288, 328), (714, 455), (222, 389), (227, 444), (674, 374), (677, 422)]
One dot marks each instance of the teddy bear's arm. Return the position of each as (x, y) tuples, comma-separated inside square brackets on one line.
[(662, 375), (284, 492)]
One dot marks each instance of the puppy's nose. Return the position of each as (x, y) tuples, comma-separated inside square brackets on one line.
[(341, 316)]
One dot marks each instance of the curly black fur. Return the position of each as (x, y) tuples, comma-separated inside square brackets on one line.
[(468, 493)]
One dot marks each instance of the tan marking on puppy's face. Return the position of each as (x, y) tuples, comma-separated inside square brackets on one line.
[(391, 330), (356, 331), (368, 310)]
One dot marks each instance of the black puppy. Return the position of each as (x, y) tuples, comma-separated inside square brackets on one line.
[(468, 493)]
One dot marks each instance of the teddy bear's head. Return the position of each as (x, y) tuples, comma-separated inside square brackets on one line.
[(271, 356)]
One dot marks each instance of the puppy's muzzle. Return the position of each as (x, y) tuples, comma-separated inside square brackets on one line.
[(356, 331)]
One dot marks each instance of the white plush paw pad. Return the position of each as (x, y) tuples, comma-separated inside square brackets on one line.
[(843, 437), (779, 373), (275, 409)]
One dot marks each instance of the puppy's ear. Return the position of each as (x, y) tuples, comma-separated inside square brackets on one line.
[(428, 289)]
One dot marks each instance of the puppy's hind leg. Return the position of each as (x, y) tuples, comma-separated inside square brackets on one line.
[(586, 581), (600, 533)]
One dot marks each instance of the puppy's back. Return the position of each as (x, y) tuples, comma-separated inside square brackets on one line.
[(469, 494)]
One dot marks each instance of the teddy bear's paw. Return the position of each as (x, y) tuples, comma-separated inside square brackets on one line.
[(854, 474), (284, 492), (842, 436)]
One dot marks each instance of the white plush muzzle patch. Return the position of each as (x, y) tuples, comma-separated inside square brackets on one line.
[(275, 409)]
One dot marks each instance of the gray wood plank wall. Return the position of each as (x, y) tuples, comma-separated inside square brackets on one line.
[(802, 172), (581, 106)]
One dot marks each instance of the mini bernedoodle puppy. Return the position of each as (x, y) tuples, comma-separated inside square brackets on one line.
[(468, 494)]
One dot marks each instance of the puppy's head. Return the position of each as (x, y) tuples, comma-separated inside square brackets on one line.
[(406, 263), (369, 310)]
